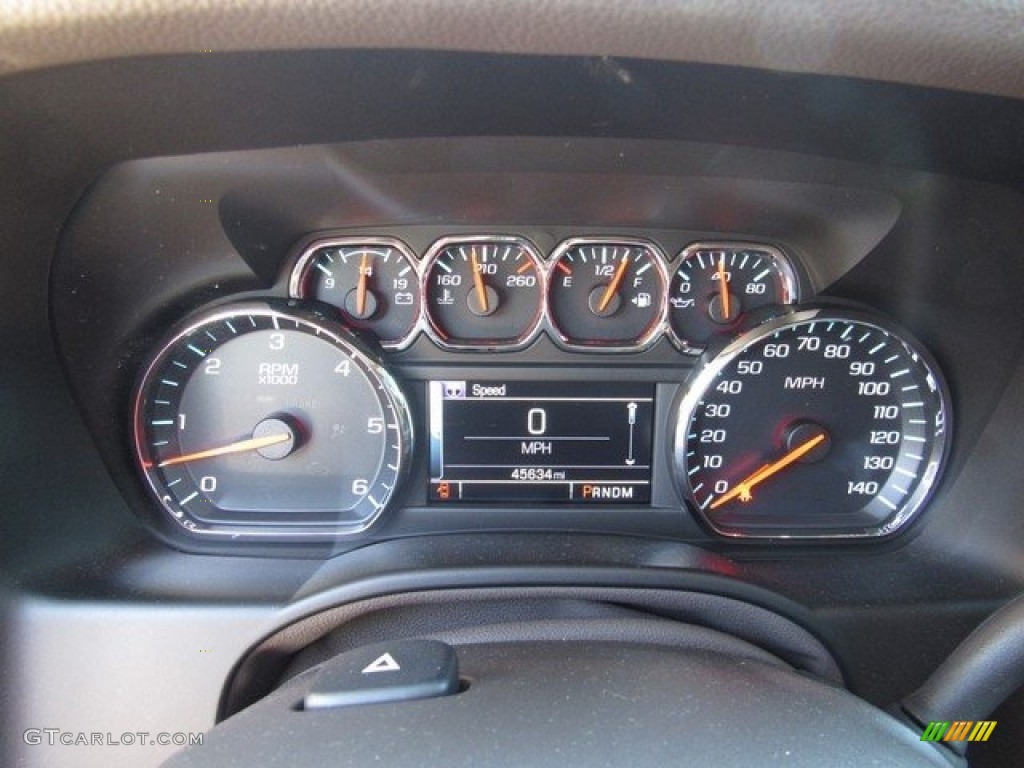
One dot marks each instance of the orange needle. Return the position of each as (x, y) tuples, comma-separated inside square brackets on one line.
[(252, 444), (723, 288), (743, 489), (613, 286), (361, 290), (478, 281)]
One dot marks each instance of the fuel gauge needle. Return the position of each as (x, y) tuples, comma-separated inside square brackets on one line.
[(478, 281), (252, 444), (613, 286), (723, 289), (743, 489)]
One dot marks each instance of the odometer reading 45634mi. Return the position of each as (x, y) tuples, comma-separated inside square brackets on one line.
[(518, 441), (821, 423)]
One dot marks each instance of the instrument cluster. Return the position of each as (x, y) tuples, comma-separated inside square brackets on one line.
[(294, 418)]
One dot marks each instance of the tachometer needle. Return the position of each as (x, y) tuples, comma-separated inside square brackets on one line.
[(364, 269), (478, 281), (723, 289), (252, 444), (613, 286), (743, 489)]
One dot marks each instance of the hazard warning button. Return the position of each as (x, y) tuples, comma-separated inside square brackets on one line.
[(398, 671)]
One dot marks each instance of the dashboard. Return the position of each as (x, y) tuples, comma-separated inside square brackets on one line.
[(314, 349)]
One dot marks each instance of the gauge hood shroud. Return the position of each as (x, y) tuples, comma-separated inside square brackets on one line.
[(957, 44)]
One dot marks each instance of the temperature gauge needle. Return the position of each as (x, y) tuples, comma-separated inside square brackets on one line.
[(743, 489), (252, 444), (364, 270), (723, 289), (478, 281), (613, 286)]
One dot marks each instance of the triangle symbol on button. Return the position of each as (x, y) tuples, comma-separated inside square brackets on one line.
[(385, 663)]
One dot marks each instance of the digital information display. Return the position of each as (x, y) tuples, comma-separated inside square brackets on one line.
[(494, 441)]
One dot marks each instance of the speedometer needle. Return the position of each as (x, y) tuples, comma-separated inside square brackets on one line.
[(252, 444), (478, 281), (723, 289), (613, 286), (742, 489)]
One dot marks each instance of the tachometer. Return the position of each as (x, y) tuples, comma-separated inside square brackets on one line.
[(263, 421), (821, 423)]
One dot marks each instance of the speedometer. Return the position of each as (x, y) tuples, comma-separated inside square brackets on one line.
[(822, 423)]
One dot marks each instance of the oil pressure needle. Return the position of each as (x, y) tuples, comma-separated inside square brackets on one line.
[(478, 281), (723, 289), (613, 286), (742, 490), (252, 444)]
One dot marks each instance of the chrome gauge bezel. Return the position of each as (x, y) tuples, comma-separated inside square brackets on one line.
[(283, 531), (694, 392), (790, 283), (544, 323), (658, 327), (297, 279), (528, 336)]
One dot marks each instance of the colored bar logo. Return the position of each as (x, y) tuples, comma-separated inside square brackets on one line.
[(959, 730)]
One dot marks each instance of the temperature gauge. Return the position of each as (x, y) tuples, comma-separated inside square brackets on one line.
[(717, 284), (372, 282), (483, 292), (607, 294)]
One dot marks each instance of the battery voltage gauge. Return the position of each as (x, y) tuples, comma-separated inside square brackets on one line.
[(372, 282)]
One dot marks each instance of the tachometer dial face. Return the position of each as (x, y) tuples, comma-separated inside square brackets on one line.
[(822, 423), (606, 294), (372, 282), (256, 421), (715, 285), (483, 292)]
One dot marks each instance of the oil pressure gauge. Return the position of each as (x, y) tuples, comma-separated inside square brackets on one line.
[(716, 285)]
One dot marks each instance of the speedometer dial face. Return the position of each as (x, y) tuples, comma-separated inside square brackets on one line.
[(823, 423), (262, 422)]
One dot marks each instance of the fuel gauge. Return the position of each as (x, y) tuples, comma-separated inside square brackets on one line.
[(606, 294), (372, 282)]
